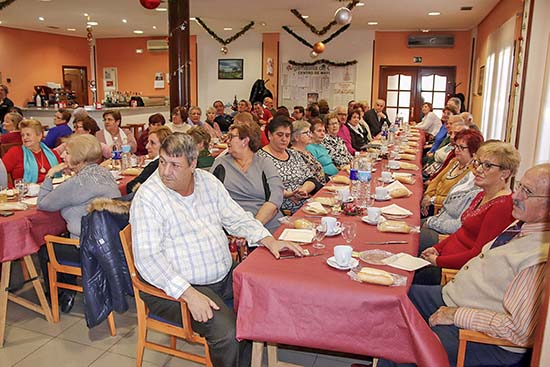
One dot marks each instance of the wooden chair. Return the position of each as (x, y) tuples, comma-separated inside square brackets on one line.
[(447, 275), (147, 322), (466, 336), (55, 266)]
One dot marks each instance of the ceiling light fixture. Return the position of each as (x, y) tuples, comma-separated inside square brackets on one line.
[(86, 14), (263, 24), (92, 23), (372, 23), (0, 22), (360, 4), (41, 19), (305, 16), (71, 29), (161, 9), (425, 30), (192, 18), (124, 21), (228, 29), (138, 31), (139, 50), (434, 13), (154, 27)]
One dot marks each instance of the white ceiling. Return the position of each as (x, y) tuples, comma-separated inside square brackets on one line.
[(269, 16)]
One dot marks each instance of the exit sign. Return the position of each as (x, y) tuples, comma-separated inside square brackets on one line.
[(417, 59)]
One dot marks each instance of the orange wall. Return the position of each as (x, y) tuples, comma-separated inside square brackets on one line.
[(31, 58), (391, 49), (502, 12), (136, 72)]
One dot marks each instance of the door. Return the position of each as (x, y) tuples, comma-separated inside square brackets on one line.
[(75, 80), (406, 88)]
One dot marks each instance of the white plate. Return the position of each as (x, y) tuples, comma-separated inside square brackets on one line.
[(372, 223), (332, 234), (375, 257), (331, 261), (382, 199)]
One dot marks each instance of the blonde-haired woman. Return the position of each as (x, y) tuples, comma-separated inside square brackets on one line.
[(11, 125), (33, 159), (210, 116)]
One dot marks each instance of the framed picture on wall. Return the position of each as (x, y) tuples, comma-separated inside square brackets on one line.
[(230, 69), (481, 80)]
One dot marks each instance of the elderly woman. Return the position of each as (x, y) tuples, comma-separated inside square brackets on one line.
[(73, 196), (301, 138), (298, 181), (317, 149), (358, 133), (86, 125), (112, 132), (154, 141), (343, 130), (179, 120), (335, 145), (155, 120), (210, 120), (466, 144), (195, 120), (251, 180), (33, 159), (487, 216), (11, 125), (430, 123), (202, 138)]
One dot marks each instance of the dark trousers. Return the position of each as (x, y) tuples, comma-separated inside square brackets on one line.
[(62, 253), (427, 300), (219, 331)]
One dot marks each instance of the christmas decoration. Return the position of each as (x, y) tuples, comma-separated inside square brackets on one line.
[(150, 4), (325, 41), (343, 16), (224, 50), (319, 47), (224, 42), (326, 28), (313, 54), (5, 3), (322, 61)]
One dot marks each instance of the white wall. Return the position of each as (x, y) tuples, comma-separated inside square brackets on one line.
[(248, 47), (350, 45)]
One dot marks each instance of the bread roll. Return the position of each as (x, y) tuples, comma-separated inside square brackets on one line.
[(394, 226), (131, 171), (302, 224), (405, 179), (407, 157), (400, 192), (375, 276), (411, 166), (341, 180)]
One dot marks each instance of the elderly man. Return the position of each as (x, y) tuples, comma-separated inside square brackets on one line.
[(298, 113), (376, 117), (223, 119), (178, 218), (268, 105), (499, 292)]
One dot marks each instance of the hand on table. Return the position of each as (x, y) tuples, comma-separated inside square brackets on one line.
[(275, 246), (443, 316), (425, 205), (199, 305)]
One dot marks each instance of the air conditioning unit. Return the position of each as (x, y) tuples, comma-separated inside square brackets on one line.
[(157, 45), (431, 41)]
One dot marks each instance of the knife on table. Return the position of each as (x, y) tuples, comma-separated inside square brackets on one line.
[(386, 243)]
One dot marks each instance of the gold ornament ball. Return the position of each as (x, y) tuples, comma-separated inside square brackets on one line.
[(224, 50), (319, 47)]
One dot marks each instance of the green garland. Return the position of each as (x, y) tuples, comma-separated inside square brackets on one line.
[(322, 61), (227, 41), (326, 28), (5, 3), (306, 43)]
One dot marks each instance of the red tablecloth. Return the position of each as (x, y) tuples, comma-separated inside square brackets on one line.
[(23, 233), (305, 302)]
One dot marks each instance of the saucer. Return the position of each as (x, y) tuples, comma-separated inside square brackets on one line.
[(332, 234), (382, 199), (331, 261), (386, 181), (373, 223)]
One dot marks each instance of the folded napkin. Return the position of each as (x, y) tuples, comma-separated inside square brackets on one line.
[(297, 235), (13, 206), (395, 209), (407, 156), (30, 201), (398, 187), (324, 200), (315, 207), (405, 262)]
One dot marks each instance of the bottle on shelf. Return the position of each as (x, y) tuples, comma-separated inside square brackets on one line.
[(38, 100)]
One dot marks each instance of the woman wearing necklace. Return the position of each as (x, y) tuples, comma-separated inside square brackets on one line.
[(465, 146), (252, 181), (487, 216), (112, 121), (33, 159), (301, 138)]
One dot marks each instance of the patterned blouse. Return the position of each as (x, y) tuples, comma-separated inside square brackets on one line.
[(314, 166), (293, 171), (337, 150)]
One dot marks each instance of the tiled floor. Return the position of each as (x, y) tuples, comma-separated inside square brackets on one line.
[(31, 341)]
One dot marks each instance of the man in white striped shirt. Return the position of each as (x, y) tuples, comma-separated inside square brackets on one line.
[(178, 218), (498, 292)]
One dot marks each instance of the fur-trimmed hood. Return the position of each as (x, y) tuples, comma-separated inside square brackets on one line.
[(111, 205)]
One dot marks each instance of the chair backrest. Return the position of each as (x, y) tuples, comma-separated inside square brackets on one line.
[(5, 147), (126, 240)]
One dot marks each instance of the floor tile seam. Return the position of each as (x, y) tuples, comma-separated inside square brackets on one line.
[(98, 357), (35, 350), (86, 345), (43, 333)]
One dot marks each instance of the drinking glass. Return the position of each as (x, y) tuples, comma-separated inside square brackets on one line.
[(320, 232), (22, 187), (337, 206), (349, 231)]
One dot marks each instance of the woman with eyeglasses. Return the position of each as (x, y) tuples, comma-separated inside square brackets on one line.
[(317, 149), (298, 180), (334, 144), (487, 216), (465, 146), (360, 136), (301, 138)]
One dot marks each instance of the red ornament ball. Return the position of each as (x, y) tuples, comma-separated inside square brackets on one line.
[(150, 4)]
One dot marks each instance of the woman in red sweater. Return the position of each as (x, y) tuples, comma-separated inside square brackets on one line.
[(11, 125), (489, 213)]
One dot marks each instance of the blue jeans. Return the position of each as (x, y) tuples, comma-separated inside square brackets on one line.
[(427, 299)]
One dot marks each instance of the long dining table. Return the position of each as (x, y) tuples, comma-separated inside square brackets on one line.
[(305, 302)]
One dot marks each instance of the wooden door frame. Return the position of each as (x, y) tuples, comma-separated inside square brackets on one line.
[(85, 99)]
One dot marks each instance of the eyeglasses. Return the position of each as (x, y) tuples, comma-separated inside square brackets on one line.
[(306, 133), (333, 123), (485, 164), (460, 148), (525, 192), (231, 136)]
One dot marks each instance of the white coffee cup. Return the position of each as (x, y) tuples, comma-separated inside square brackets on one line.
[(344, 194), (373, 214), (33, 189), (381, 193), (342, 254), (332, 224), (393, 164), (386, 176)]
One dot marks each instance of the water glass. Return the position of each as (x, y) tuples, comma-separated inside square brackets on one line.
[(337, 206), (320, 232), (22, 187), (349, 231)]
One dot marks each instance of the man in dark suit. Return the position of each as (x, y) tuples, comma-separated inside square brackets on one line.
[(375, 117)]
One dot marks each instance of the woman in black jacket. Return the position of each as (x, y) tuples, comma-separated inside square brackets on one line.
[(359, 135)]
